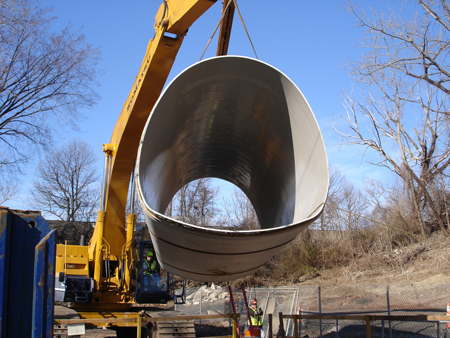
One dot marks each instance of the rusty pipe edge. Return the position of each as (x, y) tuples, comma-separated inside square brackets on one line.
[(243, 121)]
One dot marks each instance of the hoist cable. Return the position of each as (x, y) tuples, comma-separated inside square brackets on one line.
[(220, 21), (215, 30), (245, 28)]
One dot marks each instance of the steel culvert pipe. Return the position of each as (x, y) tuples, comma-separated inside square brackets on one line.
[(243, 121)]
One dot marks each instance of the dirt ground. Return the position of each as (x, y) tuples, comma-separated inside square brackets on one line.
[(212, 330)]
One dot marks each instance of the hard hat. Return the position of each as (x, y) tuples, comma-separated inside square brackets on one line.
[(254, 301), (150, 253)]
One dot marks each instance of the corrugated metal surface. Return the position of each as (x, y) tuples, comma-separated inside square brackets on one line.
[(20, 232), (44, 286), (243, 121)]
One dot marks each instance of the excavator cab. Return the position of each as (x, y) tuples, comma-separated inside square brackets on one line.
[(153, 284)]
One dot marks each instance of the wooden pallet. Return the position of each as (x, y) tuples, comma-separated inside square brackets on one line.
[(175, 329)]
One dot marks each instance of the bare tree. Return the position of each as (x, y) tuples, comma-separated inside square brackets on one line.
[(8, 191), (45, 79), (66, 185), (239, 212), (403, 112), (345, 204), (391, 205), (195, 203), (354, 202), (329, 220), (441, 196)]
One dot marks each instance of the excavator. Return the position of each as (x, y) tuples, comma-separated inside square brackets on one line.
[(108, 273), (229, 117)]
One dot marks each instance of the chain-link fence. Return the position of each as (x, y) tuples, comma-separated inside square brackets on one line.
[(216, 299), (399, 299)]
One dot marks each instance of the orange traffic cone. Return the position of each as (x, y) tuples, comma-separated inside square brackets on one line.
[(447, 326)]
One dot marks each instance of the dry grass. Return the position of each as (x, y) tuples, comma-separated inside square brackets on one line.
[(362, 257), (368, 256), (411, 263)]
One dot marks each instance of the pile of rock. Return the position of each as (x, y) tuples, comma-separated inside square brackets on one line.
[(207, 294)]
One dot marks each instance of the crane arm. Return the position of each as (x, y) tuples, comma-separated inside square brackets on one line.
[(225, 27), (174, 16)]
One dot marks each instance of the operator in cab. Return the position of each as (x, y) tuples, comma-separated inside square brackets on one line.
[(151, 273), (256, 314)]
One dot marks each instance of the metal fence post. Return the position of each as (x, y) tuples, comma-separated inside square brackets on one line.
[(300, 324), (288, 326), (389, 311), (270, 326), (201, 300), (281, 332), (368, 331), (320, 311)]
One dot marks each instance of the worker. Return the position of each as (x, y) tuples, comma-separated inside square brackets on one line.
[(151, 275), (256, 316), (149, 263)]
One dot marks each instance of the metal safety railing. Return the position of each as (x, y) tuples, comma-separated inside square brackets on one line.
[(439, 323), (141, 321)]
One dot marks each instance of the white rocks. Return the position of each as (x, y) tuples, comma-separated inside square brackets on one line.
[(208, 294)]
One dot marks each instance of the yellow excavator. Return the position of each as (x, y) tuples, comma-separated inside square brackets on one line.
[(108, 272)]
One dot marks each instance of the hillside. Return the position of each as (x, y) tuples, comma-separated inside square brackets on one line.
[(416, 263), (427, 261)]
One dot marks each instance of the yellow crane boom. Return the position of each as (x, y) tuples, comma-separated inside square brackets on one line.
[(111, 243)]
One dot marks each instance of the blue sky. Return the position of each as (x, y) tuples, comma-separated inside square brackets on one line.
[(309, 41)]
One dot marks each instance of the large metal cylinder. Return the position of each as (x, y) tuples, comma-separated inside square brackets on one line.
[(243, 121)]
